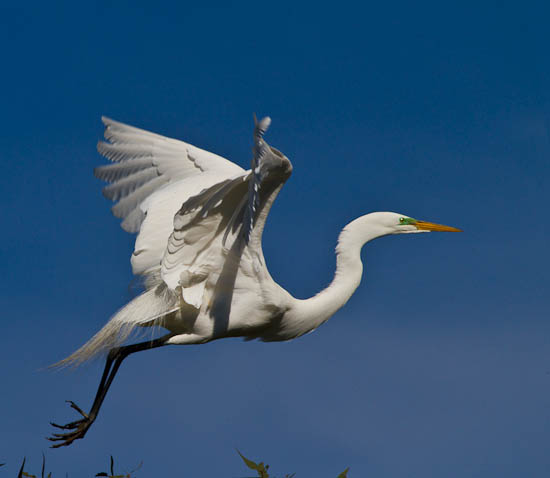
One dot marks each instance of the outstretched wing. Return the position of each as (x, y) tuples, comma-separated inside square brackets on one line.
[(144, 163), (213, 229)]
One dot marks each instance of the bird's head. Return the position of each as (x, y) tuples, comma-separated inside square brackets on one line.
[(395, 223), (378, 224)]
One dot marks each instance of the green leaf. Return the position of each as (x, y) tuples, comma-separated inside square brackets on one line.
[(259, 467), (344, 474)]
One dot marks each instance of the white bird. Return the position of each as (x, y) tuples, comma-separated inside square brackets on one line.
[(199, 219)]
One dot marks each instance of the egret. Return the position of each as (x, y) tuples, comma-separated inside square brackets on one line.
[(199, 219)]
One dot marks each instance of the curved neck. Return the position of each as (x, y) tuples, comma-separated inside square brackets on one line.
[(316, 310)]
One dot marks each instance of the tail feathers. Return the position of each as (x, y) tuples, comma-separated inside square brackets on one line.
[(143, 310)]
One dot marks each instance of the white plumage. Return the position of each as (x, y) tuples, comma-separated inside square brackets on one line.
[(199, 219)]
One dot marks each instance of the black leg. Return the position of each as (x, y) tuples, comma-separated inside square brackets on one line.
[(112, 364)]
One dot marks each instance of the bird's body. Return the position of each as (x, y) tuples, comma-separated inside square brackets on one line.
[(200, 220)]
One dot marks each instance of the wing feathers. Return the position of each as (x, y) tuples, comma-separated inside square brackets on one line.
[(129, 184), (129, 202), (133, 220), (231, 211), (122, 151), (193, 249), (113, 172), (151, 176), (115, 129), (144, 162)]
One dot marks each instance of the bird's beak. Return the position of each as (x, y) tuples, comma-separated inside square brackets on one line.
[(430, 226)]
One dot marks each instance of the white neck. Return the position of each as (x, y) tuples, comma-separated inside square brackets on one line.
[(308, 314)]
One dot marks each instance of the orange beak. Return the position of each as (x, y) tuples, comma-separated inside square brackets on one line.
[(430, 226)]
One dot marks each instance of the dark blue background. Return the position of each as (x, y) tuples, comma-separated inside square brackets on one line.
[(438, 366)]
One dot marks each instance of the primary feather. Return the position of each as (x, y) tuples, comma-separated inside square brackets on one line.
[(145, 163)]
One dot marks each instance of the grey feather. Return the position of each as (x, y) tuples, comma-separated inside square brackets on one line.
[(259, 151), (133, 220), (139, 158), (236, 219), (129, 184), (127, 204), (113, 172), (122, 151)]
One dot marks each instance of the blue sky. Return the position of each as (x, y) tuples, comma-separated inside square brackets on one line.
[(438, 366)]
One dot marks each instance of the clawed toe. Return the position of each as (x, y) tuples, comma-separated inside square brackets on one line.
[(60, 436), (77, 408), (69, 426), (66, 439), (78, 427)]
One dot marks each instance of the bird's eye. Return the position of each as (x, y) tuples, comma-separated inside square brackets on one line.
[(402, 220)]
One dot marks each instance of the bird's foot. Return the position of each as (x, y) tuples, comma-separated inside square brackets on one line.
[(78, 427)]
